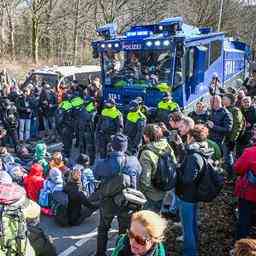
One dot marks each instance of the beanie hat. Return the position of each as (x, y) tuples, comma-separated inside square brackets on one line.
[(119, 142), (109, 103)]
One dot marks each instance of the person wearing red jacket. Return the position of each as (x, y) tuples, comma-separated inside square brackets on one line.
[(245, 190), (34, 182)]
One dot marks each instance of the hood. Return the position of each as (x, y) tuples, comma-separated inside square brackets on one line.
[(158, 146), (55, 176), (36, 170), (40, 151), (200, 148)]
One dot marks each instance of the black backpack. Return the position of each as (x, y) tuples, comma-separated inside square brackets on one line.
[(165, 177), (60, 206), (40, 242), (209, 183)]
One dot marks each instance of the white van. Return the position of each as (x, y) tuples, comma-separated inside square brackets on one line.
[(57, 75)]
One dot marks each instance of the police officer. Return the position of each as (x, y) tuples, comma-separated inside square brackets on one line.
[(65, 123), (143, 108), (86, 127), (77, 104), (110, 122), (165, 107), (134, 127)]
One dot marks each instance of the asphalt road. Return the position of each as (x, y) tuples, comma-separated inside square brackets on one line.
[(79, 240)]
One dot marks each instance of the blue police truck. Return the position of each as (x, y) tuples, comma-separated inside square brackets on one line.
[(149, 60)]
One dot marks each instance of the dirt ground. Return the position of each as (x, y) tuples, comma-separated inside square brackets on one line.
[(217, 224)]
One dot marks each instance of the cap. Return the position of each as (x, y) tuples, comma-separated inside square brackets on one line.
[(133, 106), (119, 142), (139, 100), (109, 103)]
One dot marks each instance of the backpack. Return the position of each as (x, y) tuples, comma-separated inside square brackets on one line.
[(165, 177), (13, 227), (60, 207), (118, 188), (209, 183), (40, 242)]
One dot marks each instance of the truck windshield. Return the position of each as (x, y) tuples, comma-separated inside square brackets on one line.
[(144, 68), (39, 79)]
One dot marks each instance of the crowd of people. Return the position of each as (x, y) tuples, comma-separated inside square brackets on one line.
[(122, 157)]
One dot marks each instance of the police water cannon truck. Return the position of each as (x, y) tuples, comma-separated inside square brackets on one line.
[(149, 60)]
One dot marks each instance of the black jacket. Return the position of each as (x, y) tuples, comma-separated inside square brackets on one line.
[(25, 111), (201, 118), (48, 102), (190, 170), (250, 116), (223, 123), (76, 199)]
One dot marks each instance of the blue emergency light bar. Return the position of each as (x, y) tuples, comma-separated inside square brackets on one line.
[(108, 31)]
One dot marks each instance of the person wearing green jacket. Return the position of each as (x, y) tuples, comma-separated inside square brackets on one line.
[(155, 145), (144, 236), (231, 139)]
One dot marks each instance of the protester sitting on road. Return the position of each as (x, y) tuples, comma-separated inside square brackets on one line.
[(245, 247), (79, 206), (155, 146), (34, 182), (57, 162), (186, 188), (87, 177), (144, 236), (53, 183), (40, 157)]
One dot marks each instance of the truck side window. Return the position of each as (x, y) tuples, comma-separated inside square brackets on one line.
[(216, 47)]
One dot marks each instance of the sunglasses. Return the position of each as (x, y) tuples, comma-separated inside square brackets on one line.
[(139, 240)]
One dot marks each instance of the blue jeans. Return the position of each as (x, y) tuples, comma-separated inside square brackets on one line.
[(228, 158), (49, 123), (34, 127), (188, 216), (24, 129), (246, 209)]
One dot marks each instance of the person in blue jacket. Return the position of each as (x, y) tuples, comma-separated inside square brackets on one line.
[(106, 169)]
